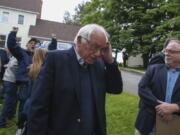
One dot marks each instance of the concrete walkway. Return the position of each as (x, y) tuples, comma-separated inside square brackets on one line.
[(131, 79)]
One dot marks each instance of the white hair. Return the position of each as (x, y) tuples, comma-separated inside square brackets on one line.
[(87, 30)]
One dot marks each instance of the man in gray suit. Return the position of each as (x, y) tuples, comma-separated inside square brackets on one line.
[(159, 91)]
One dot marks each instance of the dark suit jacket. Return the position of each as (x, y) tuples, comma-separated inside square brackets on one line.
[(152, 87), (55, 108)]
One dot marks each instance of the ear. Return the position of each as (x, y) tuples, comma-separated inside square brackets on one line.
[(79, 40)]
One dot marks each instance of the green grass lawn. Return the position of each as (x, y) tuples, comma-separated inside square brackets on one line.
[(121, 113), (138, 68), (11, 130)]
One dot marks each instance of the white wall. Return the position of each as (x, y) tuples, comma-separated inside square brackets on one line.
[(135, 61), (119, 57), (6, 27)]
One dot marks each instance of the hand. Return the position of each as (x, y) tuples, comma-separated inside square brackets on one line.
[(166, 108), (53, 35), (106, 54), (15, 29)]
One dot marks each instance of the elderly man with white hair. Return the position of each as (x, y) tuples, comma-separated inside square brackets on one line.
[(68, 96)]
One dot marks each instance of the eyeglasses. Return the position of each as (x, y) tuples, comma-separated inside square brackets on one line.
[(171, 51), (94, 47)]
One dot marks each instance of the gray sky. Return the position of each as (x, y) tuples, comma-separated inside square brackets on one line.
[(54, 9)]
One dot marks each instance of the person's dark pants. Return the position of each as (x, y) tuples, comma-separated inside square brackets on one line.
[(10, 102), (1, 92), (22, 97)]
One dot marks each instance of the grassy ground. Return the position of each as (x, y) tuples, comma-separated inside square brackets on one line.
[(11, 130), (121, 113)]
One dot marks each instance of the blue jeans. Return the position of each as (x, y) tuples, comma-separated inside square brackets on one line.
[(22, 97), (10, 102)]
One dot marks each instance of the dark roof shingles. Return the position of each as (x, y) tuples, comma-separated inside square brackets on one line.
[(45, 28), (28, 5)]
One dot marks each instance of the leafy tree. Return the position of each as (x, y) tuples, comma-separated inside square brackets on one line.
[(67, 18), (80, 12), (139, 26)]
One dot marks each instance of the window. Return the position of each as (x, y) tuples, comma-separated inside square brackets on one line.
[(63, 46), (5, 17), (18, 40), (2, 40), (21, 19)]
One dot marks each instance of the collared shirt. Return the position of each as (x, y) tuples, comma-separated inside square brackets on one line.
[(80, 60), (88, 114), (172, 76)]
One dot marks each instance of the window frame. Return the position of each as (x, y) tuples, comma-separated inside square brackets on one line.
[(5, 17), (21, 19), (3, 45), (19, 40)]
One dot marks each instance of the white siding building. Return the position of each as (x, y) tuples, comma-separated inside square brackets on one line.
[(25, 14), (135, 61), (22, 19)]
